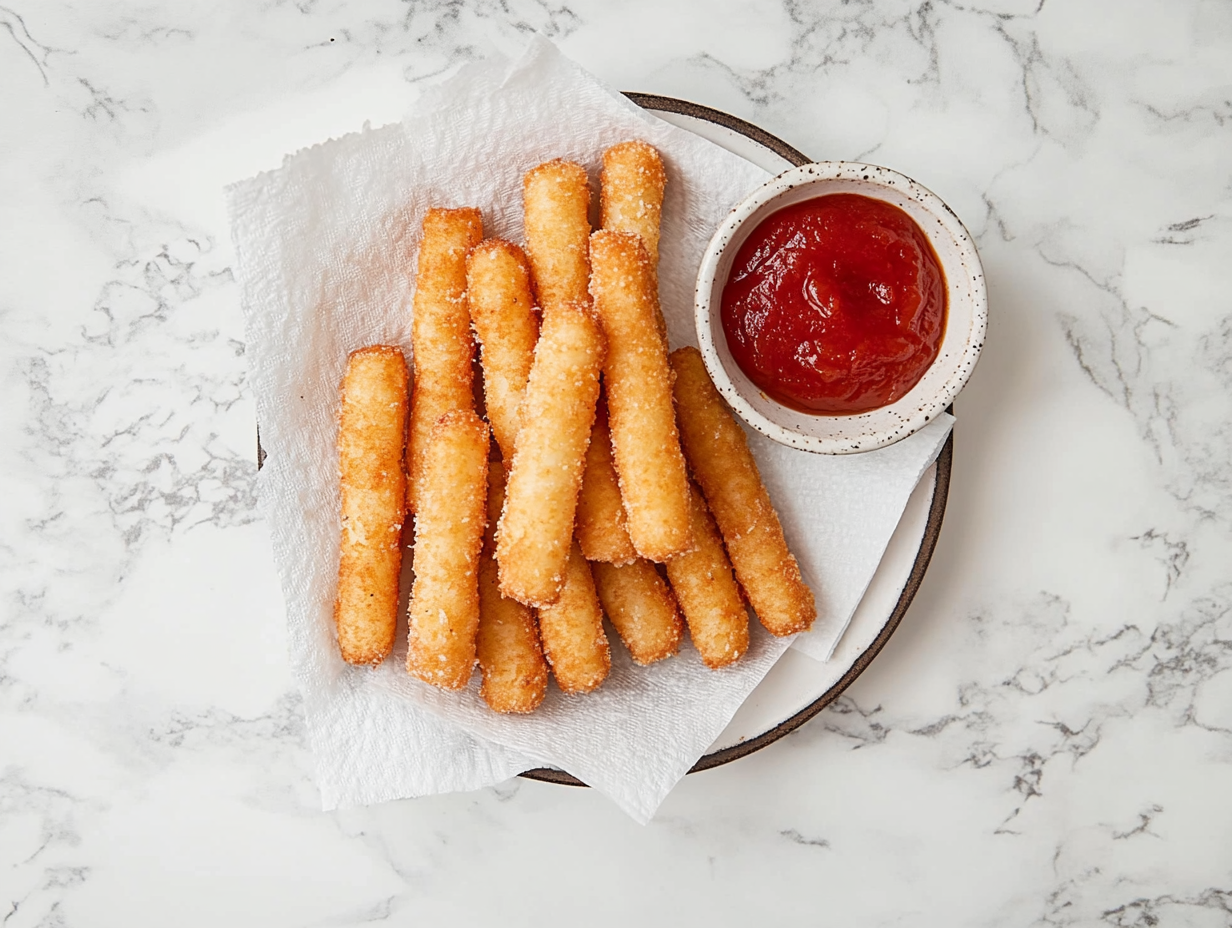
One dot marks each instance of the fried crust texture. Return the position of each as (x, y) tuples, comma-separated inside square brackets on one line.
[(556, 218), (602, 527), (720, 459), (654, 483), (502, 313), (707, 592), (641, 607), (443, 617), (371, 437), (574, 641), (441, 340), (515, 674), (557, 415)]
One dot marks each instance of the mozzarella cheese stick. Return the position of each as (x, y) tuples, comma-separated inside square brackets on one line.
[(556, 207), (449, 525), (641, 607), (571, 629), (631, 193), (557, 414), (515, 675), (720, 459), (602, 528), (440, 330), (654, 482), (631, 199), (371, 435), (707, 593), (502, 312)]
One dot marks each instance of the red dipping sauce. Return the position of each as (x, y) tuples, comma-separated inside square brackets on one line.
[(835, 305)]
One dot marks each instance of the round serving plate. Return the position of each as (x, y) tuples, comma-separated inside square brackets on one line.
[(798, 687)]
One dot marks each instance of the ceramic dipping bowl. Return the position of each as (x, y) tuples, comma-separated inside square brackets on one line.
[(965, 325)]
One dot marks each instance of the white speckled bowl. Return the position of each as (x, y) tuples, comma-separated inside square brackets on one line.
[(966, 313)]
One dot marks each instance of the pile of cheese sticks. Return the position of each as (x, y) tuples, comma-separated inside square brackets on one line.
[(619, 485)]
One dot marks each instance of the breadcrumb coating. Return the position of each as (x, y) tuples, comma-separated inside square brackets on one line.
[(441, 338), (654, 481), (371, 436), (631, 189), (602, 527), (707, 592), (574, 641), (558, 412), (515, 675), (556, 218), (449, 525), (641, 607), (502, 313)]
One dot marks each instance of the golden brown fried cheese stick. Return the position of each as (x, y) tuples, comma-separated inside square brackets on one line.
[(515, 675), (556, 207), (720, 459), (371, 435), (502, 312), (631, 198), (557, 414), (654, 482), (440, 330), (572, 630), (449, 523), (707, 593), (631, 193), (641, 607), (602, 528)]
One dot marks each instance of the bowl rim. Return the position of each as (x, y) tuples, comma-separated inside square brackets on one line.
[(910, 413)]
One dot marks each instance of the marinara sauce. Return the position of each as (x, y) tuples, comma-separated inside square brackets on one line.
[(835, 305)]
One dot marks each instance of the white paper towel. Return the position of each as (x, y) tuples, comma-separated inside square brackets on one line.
[(326, 249)]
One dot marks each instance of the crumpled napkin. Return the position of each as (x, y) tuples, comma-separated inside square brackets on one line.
[(326, 254)]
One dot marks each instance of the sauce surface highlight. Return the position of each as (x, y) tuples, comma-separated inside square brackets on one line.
[(835, 305)]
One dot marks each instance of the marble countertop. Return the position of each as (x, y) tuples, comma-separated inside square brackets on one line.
[(1047, 739)]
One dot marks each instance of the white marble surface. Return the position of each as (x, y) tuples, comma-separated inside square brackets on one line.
[(1047, 740)]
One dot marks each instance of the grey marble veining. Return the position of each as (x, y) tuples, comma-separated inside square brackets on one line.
[(1047, 740)]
